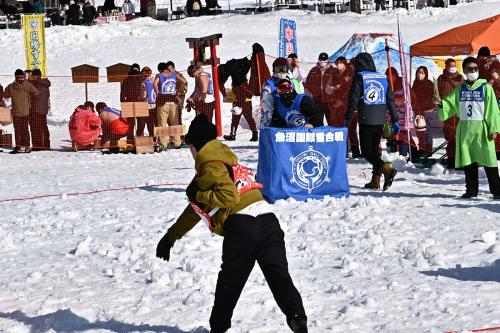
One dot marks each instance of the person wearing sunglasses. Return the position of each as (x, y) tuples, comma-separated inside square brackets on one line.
[(292, 109), (475, 104), (281, 70)]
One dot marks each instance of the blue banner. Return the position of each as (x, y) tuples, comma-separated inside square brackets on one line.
[(287, 38), (303, 163)]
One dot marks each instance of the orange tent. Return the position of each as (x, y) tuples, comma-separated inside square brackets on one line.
[(464, 40)]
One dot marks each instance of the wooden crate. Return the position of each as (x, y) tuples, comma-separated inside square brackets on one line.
[(5, 116), (144, 145)]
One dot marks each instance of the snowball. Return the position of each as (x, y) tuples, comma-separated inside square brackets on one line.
[(437, 169), (489, 237)]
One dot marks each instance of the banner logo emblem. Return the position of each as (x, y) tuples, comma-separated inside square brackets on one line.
[(310, 169)]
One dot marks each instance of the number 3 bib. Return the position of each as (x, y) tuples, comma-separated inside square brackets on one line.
[(471, 103)]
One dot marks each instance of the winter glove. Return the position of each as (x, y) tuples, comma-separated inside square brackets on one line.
[(191, 191), (163, 248), (395, 128)]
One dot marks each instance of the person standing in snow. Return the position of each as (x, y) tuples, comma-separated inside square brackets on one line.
[(371, 95), (249, 237), (423, 106), (167, 87), (446, 83), (319, 85), (281, 70), (133, 89), (182, 87), (259, 72), (89, 13), (20, 92), (128, 10), (151, 121), (40, 105), (202, 99), (238, 69), (475, 104)]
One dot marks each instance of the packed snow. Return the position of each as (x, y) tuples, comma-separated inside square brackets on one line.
[(412, 259)]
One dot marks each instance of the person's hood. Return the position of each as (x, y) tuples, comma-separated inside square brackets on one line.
[(364, 62), (215, 151)]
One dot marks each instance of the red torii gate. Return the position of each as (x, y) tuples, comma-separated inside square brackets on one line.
[(198, 45)]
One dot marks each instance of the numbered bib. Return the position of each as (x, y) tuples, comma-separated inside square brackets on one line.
[(471, 103), (375, 88)]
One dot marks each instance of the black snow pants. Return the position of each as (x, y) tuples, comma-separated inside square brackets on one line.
[(248, 239), (472, 179), (369, 141)]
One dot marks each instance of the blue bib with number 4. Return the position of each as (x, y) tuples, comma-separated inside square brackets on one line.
[(375, 88), (471, 103)]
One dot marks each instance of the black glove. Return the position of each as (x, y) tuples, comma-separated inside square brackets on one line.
[(191, 191), (163, 248)]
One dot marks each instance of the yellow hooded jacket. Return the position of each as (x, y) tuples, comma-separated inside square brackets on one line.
[(216, 189)]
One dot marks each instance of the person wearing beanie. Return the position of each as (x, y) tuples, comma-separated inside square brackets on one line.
[(21, 92), (445, 84), (281, 70), (475, 104), (251, 231)]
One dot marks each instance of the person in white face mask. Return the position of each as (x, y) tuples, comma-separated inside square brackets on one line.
[(449, 80), (319, 83), (475, 104)]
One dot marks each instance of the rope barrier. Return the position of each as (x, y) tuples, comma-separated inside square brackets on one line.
[(490, 329), (90, 192)]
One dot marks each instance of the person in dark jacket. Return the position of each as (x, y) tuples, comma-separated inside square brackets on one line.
[(73, 14), (40, 105), (89, 13), (133, 89), (371, 95), (251, 231), (294, 110)]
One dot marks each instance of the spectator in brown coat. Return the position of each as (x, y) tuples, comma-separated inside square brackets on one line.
[(133, 89), (423, 105), (21, 91), (446, 83), (40, 105), (319, 83)]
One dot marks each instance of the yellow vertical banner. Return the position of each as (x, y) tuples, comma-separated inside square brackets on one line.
[(34, 42)]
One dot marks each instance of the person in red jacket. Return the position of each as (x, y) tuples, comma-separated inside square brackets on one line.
[(446, 83), (319, 84), (423, 105), (84, 127)]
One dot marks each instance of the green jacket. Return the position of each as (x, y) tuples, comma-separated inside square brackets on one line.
[(216, 189), (479, 115)]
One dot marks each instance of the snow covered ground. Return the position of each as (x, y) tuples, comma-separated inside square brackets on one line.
[(413, 259)]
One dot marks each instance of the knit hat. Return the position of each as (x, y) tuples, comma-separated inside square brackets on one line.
[(200, 132), (469, 60), (135, 66)]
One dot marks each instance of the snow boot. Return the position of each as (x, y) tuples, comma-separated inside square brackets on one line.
[(255, 136), (355, 152), (389, 174), (374, 183), (297, 323), (470, 195), (230, 137)]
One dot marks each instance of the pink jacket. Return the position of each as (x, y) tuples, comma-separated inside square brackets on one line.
[(84, 127)]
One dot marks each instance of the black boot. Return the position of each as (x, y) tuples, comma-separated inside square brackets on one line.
[(471, 181), (450, 163), (255, 136), (230, 137), (297, 323), (355, 152)]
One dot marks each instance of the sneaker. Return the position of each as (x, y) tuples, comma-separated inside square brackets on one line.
[(297, 323), (469, 195)]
